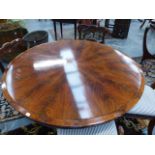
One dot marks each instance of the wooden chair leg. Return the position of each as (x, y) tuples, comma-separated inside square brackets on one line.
[(107, 23), (143, 23)]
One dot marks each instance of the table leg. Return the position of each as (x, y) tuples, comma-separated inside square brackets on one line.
[(75, 30), (55, 30), (61, 29), (107, 23)]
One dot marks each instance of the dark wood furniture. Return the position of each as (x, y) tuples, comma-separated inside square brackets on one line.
[(144, 21), (121, 28), (151, 126), (10, 50), (72, 83), (88, 22), (35, 38), (10, 119), (92, 32), (146, 53), (61, 21), (108, 25), (9, 32)]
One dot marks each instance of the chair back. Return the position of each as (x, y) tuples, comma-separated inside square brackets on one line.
[(146, 53), (92, 33)]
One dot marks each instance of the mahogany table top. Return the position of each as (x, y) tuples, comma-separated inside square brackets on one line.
[(72, 83)]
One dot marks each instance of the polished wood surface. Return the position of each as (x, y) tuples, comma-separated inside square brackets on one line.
[(72, 83)]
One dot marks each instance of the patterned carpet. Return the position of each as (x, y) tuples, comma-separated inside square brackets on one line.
[(7, 112), (126, 126)]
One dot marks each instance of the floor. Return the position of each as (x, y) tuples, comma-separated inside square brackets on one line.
[(132, 46)]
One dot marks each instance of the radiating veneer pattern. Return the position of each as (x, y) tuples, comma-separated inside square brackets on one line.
[(72, 83)]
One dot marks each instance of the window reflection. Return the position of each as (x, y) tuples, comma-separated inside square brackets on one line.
[(73, 76), (9, 81), (75, 83), (46, 64)]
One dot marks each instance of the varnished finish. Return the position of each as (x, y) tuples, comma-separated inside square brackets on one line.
[(72, 83)]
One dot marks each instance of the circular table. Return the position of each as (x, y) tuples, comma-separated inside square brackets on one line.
[(72, 83)]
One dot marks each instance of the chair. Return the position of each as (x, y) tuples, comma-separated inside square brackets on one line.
[(108, 128), (10, 119), (9, 32), (151, 126), (108, 25), (35, 38), (143, 22), (145, 107), (150, 21), (9, 50), (92, 33), (148, 60), (146, 54), (121, 28), (88, 22)]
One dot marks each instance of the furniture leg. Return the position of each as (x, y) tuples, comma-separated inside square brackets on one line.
[(61, 29), (107, 23), (143, 23), (75, 30), (55, 31)]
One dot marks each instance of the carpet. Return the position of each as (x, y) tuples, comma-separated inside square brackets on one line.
[(126, 126), (7, 112)]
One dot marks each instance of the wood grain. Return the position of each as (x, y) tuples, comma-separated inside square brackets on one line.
[(72, 83)]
